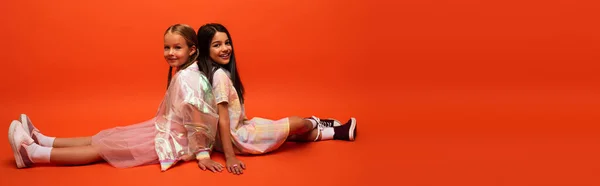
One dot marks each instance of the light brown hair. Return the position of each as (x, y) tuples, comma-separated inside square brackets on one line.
[(189, 34)]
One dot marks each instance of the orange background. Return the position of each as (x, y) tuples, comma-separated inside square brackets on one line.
[(461, 92)]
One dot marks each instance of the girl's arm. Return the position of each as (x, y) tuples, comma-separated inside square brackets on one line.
[(201, 130), (225, 130), (199, 118), (221, 90), (234, 165)]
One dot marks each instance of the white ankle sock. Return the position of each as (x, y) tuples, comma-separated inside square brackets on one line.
[(44, 140), (39, 154), (313, 122), (327, 133)]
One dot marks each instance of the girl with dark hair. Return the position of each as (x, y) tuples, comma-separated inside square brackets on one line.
[(237, 134)]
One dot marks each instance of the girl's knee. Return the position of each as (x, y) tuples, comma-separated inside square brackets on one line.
[(299, 125), (294, 119)]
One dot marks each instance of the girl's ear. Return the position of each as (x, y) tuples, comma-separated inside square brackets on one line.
[(193, 50)]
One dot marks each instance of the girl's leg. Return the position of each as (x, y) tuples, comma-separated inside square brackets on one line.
[(306, 137), (81, 155), (304, 130), (27, 153), (300, 125), (75, 155), (47, 141), (72, 142)]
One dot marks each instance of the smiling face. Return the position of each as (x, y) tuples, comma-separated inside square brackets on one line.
[(176, 50), (220, 48)]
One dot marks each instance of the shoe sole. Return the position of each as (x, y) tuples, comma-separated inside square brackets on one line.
[(352, 129), (16, 152)]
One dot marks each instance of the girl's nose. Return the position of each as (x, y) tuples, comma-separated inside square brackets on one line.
[(225, 49)]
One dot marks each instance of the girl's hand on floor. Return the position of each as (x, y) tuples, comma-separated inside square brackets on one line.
[(235, 166), (209, 164)]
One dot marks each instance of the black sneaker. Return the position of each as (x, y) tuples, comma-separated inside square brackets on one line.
[(346, 132)]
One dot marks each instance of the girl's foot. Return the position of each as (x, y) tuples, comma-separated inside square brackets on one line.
[(19, 141), (28, 126), (346, 132)]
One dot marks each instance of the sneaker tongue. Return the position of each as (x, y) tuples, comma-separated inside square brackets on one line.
[(327, 123)]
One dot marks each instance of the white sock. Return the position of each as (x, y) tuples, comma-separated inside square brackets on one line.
[(39, 154), (44, 140), (327, 133), (313, 122)]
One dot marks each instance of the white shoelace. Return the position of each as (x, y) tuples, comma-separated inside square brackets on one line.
[(320, 127)]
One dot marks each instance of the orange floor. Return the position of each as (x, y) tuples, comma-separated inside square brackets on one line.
[(461, 92), (447, 138)]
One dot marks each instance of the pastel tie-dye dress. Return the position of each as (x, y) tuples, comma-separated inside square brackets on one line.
[(255, 136), (185, 124)]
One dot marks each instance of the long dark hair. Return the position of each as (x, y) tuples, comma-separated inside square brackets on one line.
[(188, 34), (207, 65)]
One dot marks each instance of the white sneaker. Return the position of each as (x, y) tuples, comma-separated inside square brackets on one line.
[(28, 126), (19, 139)]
